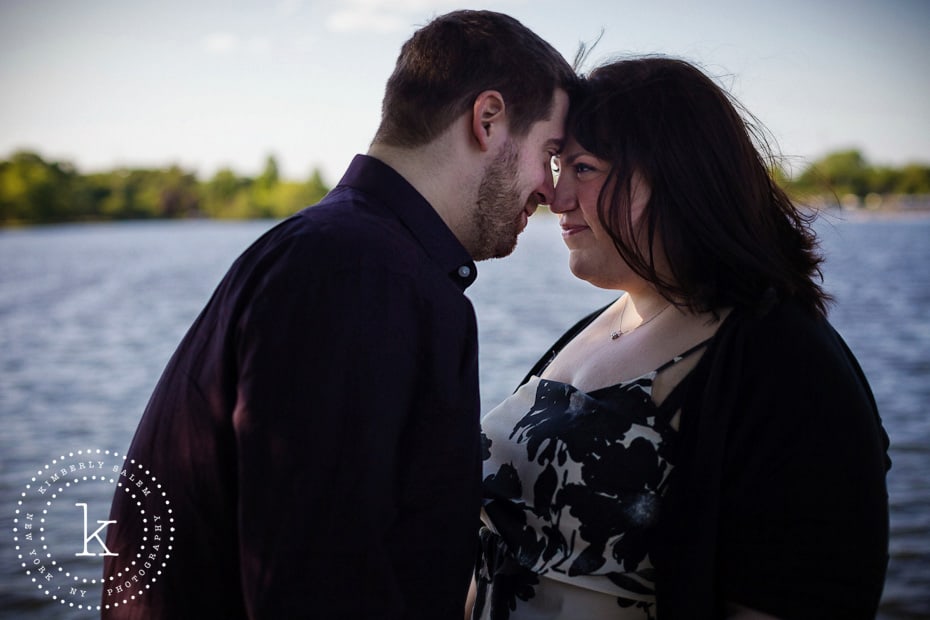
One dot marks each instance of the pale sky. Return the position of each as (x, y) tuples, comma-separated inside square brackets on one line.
[(213, 83)]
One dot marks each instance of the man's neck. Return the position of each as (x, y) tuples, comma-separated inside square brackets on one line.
[(438, 173)]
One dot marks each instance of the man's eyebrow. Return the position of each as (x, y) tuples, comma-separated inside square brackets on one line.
[(555, 144)]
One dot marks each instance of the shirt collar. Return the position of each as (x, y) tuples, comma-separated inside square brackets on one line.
[(379, 180)]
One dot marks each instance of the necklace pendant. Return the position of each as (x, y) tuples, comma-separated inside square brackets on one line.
[(614, 335)]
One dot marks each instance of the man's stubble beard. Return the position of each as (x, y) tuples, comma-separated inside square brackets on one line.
[(496, 214)]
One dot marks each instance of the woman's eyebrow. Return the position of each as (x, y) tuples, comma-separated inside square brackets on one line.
[(570, 158)]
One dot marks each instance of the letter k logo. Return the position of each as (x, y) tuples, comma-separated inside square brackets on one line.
[(96, 535)]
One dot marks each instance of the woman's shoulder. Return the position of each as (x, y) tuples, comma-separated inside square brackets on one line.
[(784, 329), (793, 360)]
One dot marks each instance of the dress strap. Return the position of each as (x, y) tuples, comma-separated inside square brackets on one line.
[(676, 396), (682, 356)]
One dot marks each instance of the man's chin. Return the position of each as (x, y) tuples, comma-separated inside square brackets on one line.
[(507, 249), (501, 250)]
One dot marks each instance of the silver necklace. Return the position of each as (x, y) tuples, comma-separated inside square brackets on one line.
[(616, 333)]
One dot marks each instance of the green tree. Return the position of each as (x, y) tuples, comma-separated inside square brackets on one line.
[(846, 172), (262, 197), (225, 195), (883, 180), (843, 172), (33, 190), (178, 194), (913, 179), (270, 175), (316, 188), (131, 194)]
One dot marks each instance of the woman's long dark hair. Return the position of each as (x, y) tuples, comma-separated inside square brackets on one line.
[(729, 233)]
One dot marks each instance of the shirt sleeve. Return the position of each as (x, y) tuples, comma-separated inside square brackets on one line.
[(804, 508)]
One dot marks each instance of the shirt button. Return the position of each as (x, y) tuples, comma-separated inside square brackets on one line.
[(464, 271)]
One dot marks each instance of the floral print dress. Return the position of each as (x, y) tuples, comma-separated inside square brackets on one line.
[(572, 487)]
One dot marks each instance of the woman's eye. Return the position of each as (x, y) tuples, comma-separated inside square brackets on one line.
[(581, 168)]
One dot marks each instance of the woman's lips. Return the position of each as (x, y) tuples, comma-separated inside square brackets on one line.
[(569, 230)]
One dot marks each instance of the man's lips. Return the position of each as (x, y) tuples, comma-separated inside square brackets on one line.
[(526, 214)]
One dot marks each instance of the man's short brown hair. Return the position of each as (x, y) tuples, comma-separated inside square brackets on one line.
[(446, 64)]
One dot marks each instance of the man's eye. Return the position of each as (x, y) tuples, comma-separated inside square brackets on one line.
[(555, 164)]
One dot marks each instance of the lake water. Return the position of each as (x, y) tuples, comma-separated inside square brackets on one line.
[(89, 315)]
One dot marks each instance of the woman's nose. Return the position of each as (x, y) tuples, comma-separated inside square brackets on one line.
[(564, 197)]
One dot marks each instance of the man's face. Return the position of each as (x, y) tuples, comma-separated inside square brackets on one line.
[(515, 182)]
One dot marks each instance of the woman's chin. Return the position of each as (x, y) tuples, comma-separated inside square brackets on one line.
[(579, 271)]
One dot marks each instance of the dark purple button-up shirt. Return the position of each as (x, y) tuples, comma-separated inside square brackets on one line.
[(317, 428)]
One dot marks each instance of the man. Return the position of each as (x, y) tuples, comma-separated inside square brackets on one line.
[(317, 429)]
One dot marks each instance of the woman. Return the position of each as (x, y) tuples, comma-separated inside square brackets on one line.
[(706, 446)]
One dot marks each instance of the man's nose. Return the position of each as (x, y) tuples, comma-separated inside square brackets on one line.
[(545, 193)]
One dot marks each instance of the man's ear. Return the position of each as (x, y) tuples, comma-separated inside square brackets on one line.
[(488, 116)]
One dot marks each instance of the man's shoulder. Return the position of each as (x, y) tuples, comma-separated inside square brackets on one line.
[(346, 210), (344, 234), (347, 223)]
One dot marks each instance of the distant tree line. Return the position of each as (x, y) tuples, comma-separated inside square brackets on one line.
[(847, 173), (33, 190)]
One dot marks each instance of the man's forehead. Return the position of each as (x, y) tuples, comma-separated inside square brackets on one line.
[(550, 131), (557, 124)]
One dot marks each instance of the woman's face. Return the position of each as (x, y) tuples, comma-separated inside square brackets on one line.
[(592, 253)]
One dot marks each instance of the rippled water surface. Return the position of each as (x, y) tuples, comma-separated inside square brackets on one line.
[(89, 315)]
